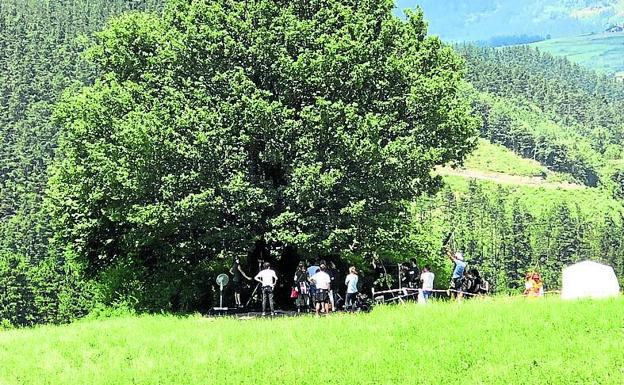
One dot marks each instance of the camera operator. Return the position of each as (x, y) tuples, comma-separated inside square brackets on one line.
[(267, 279), (322, 282), (458, 272)]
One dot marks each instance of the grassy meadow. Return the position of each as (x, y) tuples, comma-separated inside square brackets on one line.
[(601, 52), (496, 158), (492, 341)]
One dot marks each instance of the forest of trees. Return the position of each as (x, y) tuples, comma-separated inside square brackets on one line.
[(505, 233), (548, 109), (41, 45), (133, 190), (507, 40)]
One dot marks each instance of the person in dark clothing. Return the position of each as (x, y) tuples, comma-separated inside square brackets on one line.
[(313, 269), (413, 274), (382, 279), (302, 285), (237, 277), (404, 274)]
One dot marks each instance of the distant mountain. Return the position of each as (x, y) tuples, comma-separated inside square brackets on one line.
[(472, 20), (615, 29)]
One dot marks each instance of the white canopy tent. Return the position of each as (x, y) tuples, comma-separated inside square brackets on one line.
[(589, 279)]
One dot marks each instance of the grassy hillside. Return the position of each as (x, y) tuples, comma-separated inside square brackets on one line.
[(505, 341), (527, 180), (495, 163), (496, 158), (600, 52)]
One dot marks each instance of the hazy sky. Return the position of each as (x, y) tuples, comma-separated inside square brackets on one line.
[(482, 19)]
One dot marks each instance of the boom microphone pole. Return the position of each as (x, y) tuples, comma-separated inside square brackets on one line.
[(447, 240)]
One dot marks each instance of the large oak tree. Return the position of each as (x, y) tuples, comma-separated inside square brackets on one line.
[(304, 124)]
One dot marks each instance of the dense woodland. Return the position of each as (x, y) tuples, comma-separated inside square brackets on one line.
[(538, 106), (548, 109), (507, 231), (41, 45)]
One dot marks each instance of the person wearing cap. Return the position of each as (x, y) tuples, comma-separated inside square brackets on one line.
[(458, 273)]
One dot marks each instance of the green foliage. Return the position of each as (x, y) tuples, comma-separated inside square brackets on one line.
[(495, 342), (40, 56), (303, 125), (223, 128), (547, 109), (504, 231), (530, 135), (47, 291)]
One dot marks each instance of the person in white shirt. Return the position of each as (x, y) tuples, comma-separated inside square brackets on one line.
[(427, 278), (322, 281), (351, 281), (267, 279)]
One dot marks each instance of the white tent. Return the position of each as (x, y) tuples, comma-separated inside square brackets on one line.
[(589, 279)]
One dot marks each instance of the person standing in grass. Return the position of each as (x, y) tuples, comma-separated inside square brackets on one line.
[(538, 286), (413, 274), (427, 278), (528, 284), (351, 281), (458, 273), (237, 276), (322, 282), (313, 269), (267, 279), (533, 287), (303, 288)]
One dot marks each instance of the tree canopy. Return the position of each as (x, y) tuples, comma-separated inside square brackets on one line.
[(218, 124)]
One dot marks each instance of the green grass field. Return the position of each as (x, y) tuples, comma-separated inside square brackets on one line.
[(496, 158), (502, 341), (601, 52)]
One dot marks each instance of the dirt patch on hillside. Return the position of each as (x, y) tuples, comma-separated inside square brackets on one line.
[(508, 179)]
